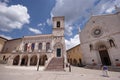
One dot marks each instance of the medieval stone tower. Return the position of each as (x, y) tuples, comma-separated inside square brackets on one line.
[(58, 36)]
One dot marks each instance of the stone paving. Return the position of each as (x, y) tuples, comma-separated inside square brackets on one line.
[(31, 73)]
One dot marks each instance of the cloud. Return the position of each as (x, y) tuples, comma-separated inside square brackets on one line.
[(49, 21), (72, 42), (7, 37), (79, 11), (13, 17), (68, 29), (41, 24), (36, 31)]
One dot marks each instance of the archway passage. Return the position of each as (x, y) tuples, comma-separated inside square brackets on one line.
[(16, 60), (24, 61), (105, 59), (42, 60), (33, 60)]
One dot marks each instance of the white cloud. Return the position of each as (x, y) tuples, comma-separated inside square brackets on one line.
[(36, 31), (49, 22), (13, 17), (72, 42), (40, 24), (7, 37), (68, 29), (80, 10)]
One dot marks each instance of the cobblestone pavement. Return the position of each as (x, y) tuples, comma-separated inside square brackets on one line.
[(30, 73)]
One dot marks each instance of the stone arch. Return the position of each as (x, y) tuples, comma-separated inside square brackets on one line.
[(102, 47), (16, 60), (24, 60), (33, 60), (100, 44), (42, 60)]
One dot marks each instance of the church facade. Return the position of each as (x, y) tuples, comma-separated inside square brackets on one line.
[(37, 49), (100, 40)]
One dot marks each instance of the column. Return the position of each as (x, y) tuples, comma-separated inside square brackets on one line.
[(21, 47), (44, 46), (20, 60), (38, 56), (29, 47), (36, 47), (28, 63)]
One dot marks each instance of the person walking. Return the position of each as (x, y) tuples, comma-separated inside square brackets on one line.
[(105, 71)]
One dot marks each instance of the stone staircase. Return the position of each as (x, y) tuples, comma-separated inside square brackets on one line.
[(56, 64)]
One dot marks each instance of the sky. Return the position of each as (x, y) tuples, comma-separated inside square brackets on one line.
[(20, 18)]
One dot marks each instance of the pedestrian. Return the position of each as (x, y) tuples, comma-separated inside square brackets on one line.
[(105, 71), (69, 67)]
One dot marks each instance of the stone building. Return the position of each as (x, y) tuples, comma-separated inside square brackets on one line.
[(2, 42), (74, 56), (100, 40), (38, 49)]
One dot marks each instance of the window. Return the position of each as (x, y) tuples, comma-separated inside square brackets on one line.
[(91, 47), (112, 44), (58, 23), (32, 46), (25, 47), (47, 46), (40, 46)]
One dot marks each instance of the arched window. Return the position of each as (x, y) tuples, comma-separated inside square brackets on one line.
[(47, 46), (32, 46), (58, 23), (40, 46), (25, 47), (112, 44), (91, 47)]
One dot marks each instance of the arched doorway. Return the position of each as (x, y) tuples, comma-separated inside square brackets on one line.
[(24, 60), (16, 60), (58, 48), (105, 59), (33, 60)]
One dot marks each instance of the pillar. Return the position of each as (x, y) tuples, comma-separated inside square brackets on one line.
[(44, 46), (20, 60), (36, 47), (28, 63)]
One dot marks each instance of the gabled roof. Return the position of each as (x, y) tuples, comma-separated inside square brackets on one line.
[(3, 38), (98, 16)]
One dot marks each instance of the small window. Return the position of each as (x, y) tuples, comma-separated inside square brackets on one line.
[(58, 23), (91, 47), (112, 44), (47, 46), (40, 46), (25, 47), (33, 46)]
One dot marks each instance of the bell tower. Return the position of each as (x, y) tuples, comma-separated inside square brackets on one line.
[(58, 26)]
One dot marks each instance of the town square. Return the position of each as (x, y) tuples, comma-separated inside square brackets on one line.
[(60, 40)]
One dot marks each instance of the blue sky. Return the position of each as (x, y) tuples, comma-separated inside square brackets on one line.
[(30, 17)]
